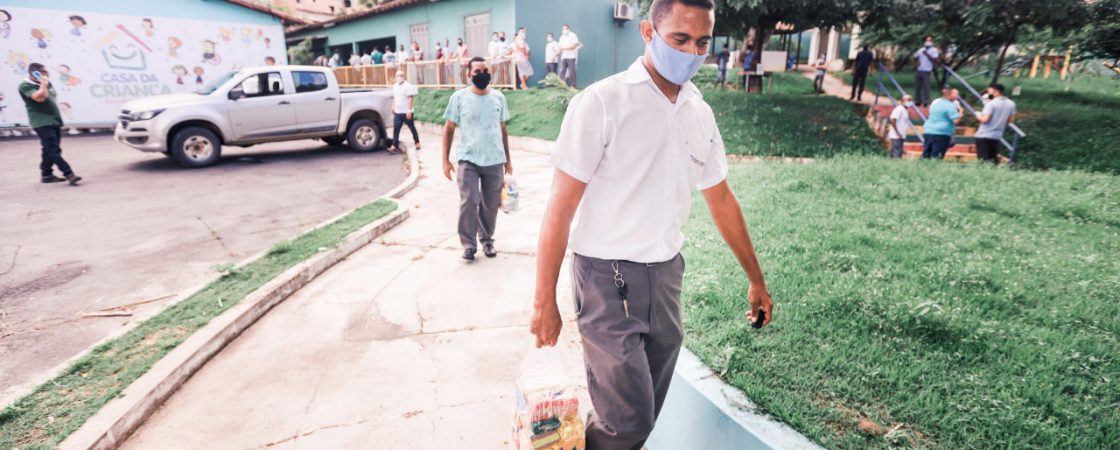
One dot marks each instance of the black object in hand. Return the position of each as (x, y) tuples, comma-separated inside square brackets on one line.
[(758, 321)]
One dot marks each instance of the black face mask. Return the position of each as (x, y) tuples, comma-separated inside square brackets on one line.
[(481, 80), (502, 39)]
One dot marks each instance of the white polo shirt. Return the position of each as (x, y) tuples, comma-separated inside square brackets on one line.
[(641, 157)]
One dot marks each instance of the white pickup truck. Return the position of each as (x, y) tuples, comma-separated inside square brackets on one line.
[(252, 106)]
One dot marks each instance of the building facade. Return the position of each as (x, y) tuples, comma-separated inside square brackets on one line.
[(103, 54), (609, 45)]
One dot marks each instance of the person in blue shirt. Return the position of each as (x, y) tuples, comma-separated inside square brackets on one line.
[(721, 63), (748, 59), (482, 154), (944, 113)]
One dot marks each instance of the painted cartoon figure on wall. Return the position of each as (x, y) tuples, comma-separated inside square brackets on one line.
[(65, 78), (209, 52), (5, 27), (41, 37), (148, 26), (198, 72), (173, 44), (267, 43), (247, 35), (179, 72), (225, 33), (18, 61), (77, 22)]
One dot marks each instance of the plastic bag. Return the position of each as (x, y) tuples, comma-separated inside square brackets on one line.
[(547, 414), (509, 195)]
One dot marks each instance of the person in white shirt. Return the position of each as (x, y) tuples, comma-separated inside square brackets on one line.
[(403, 94), (355, 59), (334, 61), (569, 53), (464, 55), (632, 149), (367, 59), (898, 125), (551, 54), (390, 58), (927, 58), (521, 58), (416, 56), (997, 114)]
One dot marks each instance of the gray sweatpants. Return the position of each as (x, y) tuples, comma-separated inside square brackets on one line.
[(480, 194), (921, 88), (629, 360)]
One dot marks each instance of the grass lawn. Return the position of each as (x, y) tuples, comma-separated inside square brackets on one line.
[(54, 410), (1078, 129), (941, 305), (788, 122)]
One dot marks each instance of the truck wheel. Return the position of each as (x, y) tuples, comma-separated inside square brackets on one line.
[(364, 135), (334, 140), (195, 147)]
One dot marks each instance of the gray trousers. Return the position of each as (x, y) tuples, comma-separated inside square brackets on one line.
[(480, 194), (921, 88), (896, 148), (568, 71), (629, 360)]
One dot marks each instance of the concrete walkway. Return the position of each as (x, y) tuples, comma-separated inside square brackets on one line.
[(402, 346)]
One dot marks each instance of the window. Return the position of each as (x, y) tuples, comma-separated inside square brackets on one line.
[(309, 81), (476, 33), (262, 85), (418, 34)]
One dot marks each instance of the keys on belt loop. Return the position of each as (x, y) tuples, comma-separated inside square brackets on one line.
[(623, 290)]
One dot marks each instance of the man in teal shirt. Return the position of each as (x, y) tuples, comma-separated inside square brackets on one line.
[(944, 113), (377, 56), (44, 117), (482, 153)]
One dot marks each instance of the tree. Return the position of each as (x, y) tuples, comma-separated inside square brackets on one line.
[(736, 17), (1103, 32), (1013, 16), (300, 54)]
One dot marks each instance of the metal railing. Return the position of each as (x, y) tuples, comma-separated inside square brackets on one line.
[(1017, 133), (431, 74), (883, 90)]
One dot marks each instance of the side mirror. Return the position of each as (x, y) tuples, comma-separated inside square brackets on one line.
[(235, 94)]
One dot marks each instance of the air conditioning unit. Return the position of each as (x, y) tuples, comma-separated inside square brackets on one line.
[(623, 11)]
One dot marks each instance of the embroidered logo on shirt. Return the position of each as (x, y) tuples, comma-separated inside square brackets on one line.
[(696, 161)]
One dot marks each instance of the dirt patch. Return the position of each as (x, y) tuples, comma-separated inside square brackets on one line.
[(50, 278)]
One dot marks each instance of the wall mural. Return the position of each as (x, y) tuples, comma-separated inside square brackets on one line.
[(98, 61)]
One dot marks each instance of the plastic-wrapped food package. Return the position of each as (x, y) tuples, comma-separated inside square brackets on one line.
[(509, 195), (547, 413)]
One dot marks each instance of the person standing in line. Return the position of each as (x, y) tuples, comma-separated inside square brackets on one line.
[(390, 58), (944, 113), (551, 54), (482, 154), (721, 65), (745, 73), (45, 118), (997, 114), (354, 59), (569, 53), (859, 71), (899, 125), (335, 60), (366, 59), (632, 149), (377, 57), (927, 57), (818, 80), (439, 66), (464, 55), (414, 57), (521, 59), (449, 63), (403, 95)]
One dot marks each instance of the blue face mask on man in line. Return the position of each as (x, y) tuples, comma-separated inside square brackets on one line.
[(674, 65)]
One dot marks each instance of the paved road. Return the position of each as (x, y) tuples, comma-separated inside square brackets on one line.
[(401, 346), (141, 228)]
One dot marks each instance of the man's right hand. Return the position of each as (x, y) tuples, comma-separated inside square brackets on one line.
[(546, 323), (44, 80), (447, 169)]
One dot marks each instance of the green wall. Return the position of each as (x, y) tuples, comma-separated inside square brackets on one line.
[(444, 18), (607, 47)]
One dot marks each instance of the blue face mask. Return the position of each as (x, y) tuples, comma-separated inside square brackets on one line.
[(674, 65)]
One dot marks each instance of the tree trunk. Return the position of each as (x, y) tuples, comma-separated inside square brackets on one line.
[(761, 35), (1003, 54)]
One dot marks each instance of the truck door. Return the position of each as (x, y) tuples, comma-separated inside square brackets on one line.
[(259, 108), (316, 103)]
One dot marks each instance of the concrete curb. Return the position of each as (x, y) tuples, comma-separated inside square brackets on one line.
[(119, 418), (701, 412)]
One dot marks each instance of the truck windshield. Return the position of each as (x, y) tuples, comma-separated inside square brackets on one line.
[(216, 83)]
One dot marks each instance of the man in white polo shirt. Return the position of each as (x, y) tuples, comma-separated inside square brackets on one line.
[(631, 150), (569, 54)]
